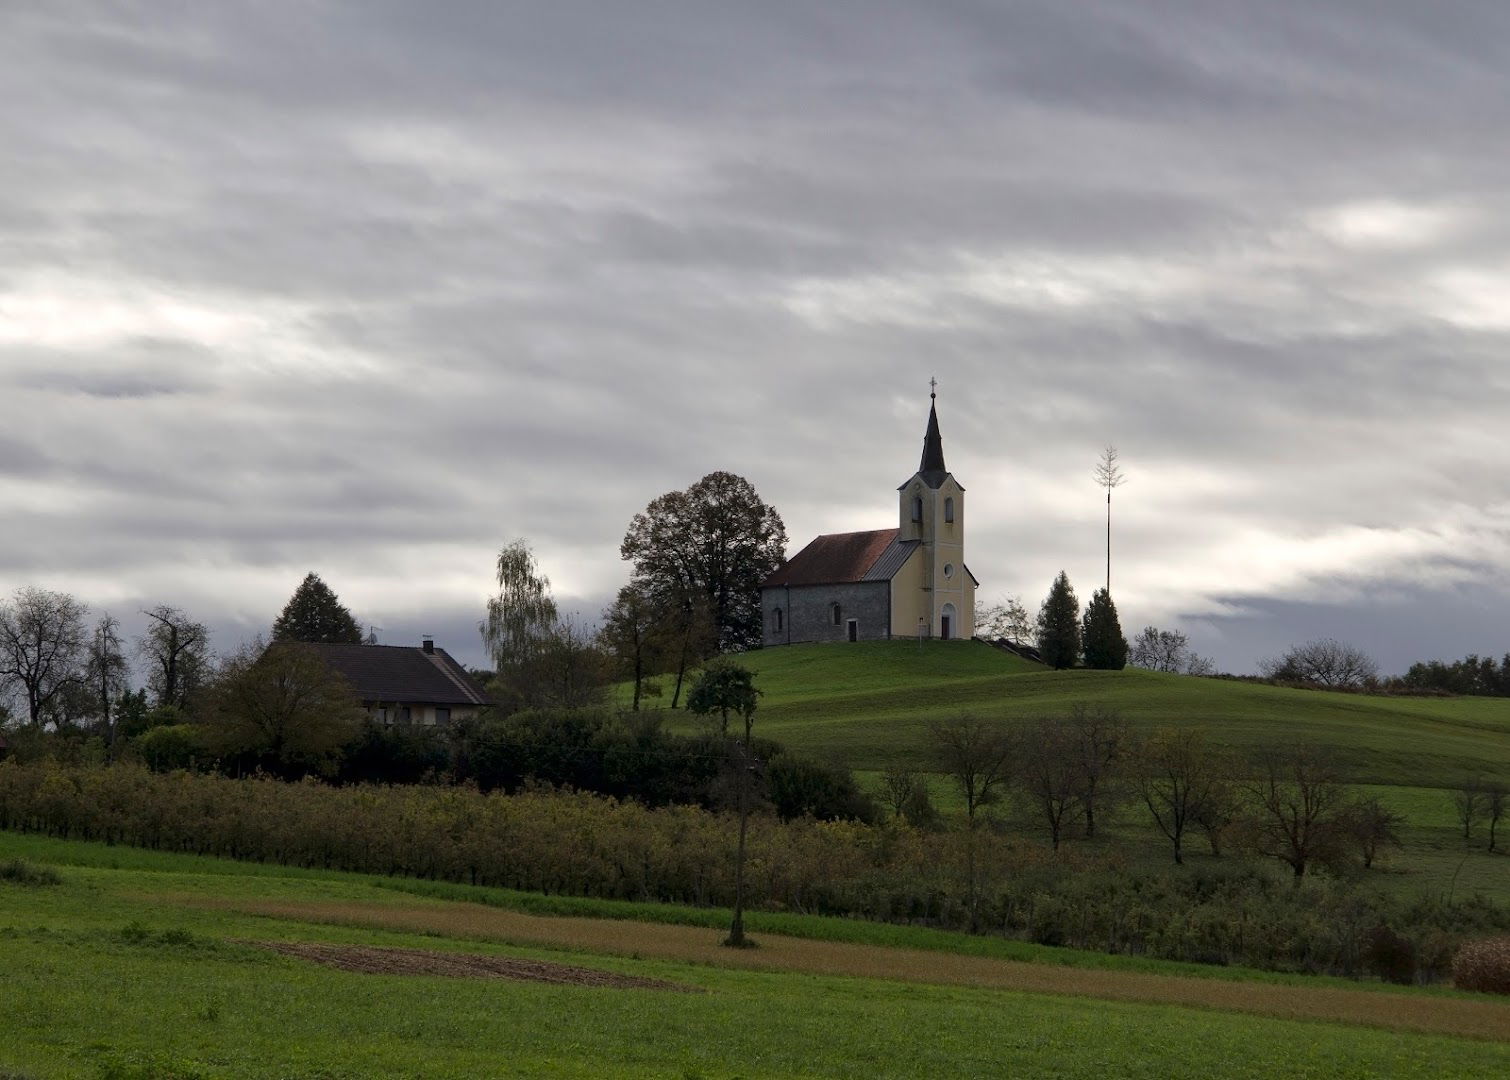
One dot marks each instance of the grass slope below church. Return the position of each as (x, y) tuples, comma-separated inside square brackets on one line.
[(868, 705), (143, 965)]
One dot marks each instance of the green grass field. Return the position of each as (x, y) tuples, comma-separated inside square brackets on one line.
[(144, 965), (867, 706)]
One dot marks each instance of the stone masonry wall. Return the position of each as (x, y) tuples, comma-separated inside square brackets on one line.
[(808, 612)]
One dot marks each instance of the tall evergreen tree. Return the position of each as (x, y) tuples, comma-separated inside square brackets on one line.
[(1101, 634), (314, 614), (1059, 624)]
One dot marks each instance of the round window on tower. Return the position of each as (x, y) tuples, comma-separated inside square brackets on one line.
[(948, 569)]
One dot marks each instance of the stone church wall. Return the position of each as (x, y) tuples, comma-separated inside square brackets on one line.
[(807, 612)]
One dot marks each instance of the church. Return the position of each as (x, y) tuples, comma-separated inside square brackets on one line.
[(906, 582)]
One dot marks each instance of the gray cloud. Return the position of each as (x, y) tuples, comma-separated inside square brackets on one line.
[(369, 288)]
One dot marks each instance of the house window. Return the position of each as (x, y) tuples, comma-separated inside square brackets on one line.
[(917, 508), (442, 716), (403, 714), (837, 614), (949, 510), (777, 619)]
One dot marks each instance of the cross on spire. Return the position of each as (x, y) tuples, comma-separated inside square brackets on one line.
[(933, 389)]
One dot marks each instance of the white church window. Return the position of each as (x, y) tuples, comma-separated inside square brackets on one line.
[(949, 509), (917, 508)]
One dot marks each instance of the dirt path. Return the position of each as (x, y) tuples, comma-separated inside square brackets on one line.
[(1482, 1019), (381, 960)]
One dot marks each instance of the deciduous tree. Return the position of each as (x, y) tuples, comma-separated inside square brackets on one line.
[(1007, 618), (723, 689), (177, 652), (1178, 776), (105, 673), (1297, 799), (283, 706), (1323, 662), (638, 632), (42, 648), (315, 614), (716, 540), (976, 754), (1059, 625)]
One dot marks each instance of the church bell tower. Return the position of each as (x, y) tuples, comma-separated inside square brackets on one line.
[(932, 512)]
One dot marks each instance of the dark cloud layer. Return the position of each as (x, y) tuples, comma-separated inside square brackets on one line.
[(370, 288)]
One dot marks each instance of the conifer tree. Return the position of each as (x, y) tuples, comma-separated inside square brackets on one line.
[(1105, 647), (1059, 624), (314, 614)]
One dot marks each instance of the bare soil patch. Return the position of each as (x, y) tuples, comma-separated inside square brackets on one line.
[(383, 960), (1478, 1019)]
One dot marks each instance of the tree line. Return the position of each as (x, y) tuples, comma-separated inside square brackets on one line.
[(579, 844)]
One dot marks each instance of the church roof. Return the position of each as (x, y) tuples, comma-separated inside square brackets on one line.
[(844, 558)]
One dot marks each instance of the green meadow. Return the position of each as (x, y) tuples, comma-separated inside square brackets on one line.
[(867, 706), (137, 964)]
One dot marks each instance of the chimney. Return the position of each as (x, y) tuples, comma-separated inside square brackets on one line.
[(427, 643)]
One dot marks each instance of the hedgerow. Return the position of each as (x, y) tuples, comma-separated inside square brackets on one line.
[(569, 843)]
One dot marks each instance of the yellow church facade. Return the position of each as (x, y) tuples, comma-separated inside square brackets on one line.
[(883, 583)]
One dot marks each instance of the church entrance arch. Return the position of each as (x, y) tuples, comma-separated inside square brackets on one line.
[(946, 623)]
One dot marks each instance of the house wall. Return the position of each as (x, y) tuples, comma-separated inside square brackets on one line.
[(420, 715), (807, 612)]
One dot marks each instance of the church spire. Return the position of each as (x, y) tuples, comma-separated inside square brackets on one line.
[(932, 466)]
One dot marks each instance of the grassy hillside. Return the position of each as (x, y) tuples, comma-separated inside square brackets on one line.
[(868, 705), (142, 965)]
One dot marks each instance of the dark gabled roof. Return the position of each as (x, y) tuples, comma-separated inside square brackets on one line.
[(401, 674), (844, 558)]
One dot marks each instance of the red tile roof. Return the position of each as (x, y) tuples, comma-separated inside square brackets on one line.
[(834, 559)]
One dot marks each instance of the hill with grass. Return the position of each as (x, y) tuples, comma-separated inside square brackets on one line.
[(868, 704)]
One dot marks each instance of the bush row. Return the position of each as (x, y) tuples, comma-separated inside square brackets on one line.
[(556, 842)]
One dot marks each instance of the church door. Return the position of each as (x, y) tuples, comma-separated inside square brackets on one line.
[(946, 623), (854, 630), (945, 634)]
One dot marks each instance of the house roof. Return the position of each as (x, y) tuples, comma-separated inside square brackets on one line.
[(401, 674), (842, 558)]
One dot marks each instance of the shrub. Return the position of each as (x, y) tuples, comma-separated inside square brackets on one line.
[(1483, 966), (21, 872), (1390, 956)]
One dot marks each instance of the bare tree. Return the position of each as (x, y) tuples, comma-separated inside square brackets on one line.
[(1160, 650), (1099, 737), (1469, 801), (105, 672), (1372, 826), (1109, 476), (1496, 799), (976, 754), (1297, 801), (1179, 778), (42, 643), (1052, 782), (1007, 618), (1324, 662), (177, 651)]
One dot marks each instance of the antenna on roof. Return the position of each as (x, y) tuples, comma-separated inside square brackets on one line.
[(372, 633)]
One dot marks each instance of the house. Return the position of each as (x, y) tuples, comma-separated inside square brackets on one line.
[(406, 684), (909, 581)]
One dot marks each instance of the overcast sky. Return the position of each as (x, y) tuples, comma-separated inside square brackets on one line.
[(370, 288)]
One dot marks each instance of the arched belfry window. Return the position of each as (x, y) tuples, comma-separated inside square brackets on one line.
[(837, 614), (917, 508), (949, 509)]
